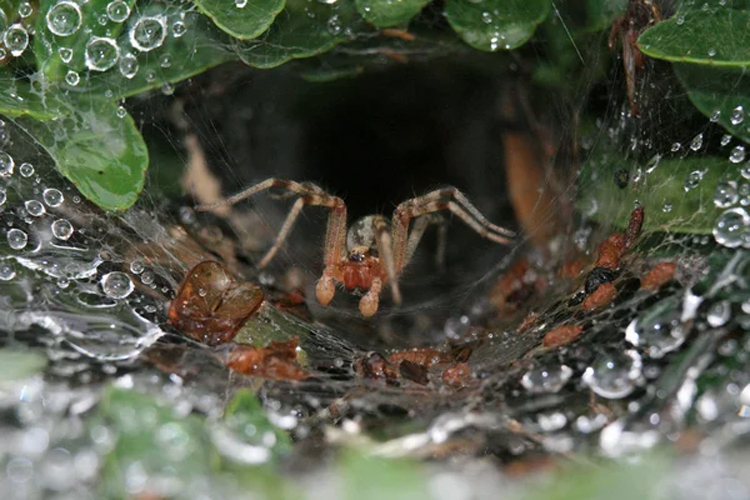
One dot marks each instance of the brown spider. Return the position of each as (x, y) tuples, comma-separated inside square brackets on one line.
[(370, 254)]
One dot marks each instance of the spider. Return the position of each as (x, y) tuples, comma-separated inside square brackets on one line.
[(372, 253)]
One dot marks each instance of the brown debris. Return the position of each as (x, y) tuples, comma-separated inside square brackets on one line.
[(658, 275), (562, 335), (457, 376), (512, 289), (610, 251), (211, 306), (634, 227), (397, 33), (602, 296), (422, 356), (571, 269), (275, 361)]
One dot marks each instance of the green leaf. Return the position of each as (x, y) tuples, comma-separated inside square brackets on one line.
[(79, 29), (722, 94), (662, 192), (18, 365), (245, 415), (384, 13), (371, 478), (200, 47), (305, 29), (102, 153), (717, 36), (496, 24), (17, 98), (244, 22)]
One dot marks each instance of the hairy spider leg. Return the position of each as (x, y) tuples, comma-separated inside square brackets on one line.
[(417, 231)]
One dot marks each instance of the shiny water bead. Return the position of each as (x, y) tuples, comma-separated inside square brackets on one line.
[(726, 194), (546, 379), (615, 374), (72, 78), (101, 53), (25, 9), (7, 270), (118, 11), (16, 39), (3, 197), (64, 18), (731, 226), (53, 197), (17, 239), (117, 285), (737, 155), (737, 115), (62, 229), (7, 164), (178, 29), (148, 33), (34, 208), (128, 66), (658, 330), (66, 54)]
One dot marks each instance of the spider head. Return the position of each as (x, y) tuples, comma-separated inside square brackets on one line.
[(361, 239)]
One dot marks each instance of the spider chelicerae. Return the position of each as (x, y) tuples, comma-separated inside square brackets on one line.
[(371, 253)]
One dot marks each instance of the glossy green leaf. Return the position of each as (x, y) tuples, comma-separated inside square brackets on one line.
[(384, 13), (373, 478), (717, 36), (722, 94), (199, 47), (662, 192), (305, 29), (102, 153), (77, 37), (18, 99), (496, 24), (18, 364), (243, 19)]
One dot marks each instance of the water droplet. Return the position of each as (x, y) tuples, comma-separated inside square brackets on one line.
[(456, 327), (65, 54), (240, 4), (486, 18), (121, 112), (334, 25), (615, 374), (726, 194), (148, 33), (676, 147), (738, 114), (745, 171), (667, 207), (7, 271), (3, 197), (101, 53), (17, 239), (697, 142), (128, 66), (118, 11), (715, 116), (16, 39), (7, 164), (693, 180), (116, 285), (147, 277), (178, 29), (658, 330), (137, 266), (34, 208), (166, 61), (62, 229), (25, 9), (711, 52), (167, 89), (53, 197), (64, 18), (680, 20), (546, 379), (26, 169), (725, 139), (72, 78), (737, 155), (730, 226), (719, 313)]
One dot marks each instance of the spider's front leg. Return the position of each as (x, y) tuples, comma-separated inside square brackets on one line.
[(326, 287), (368, 305)]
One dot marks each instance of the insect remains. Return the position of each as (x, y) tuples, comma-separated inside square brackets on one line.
[(372, 253)]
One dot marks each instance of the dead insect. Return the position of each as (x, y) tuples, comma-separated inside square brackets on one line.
[(371, 253)]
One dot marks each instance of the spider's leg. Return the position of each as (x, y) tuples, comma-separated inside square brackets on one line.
[(385, 249), (417, 231), (334, 251), (304, 189), (284, 231), (463, 201), (368, 305), (462, 214)]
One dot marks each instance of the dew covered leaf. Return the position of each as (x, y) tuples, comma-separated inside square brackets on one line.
[(303, 30), (20, 364), (242, 19), (148, 434), (663, 194), (17, 99), (102, 153), (191, 45), (722, 94), (384, 13), (73, 37), (373, 478), (245, 411), (717, 36), (496, 24)]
